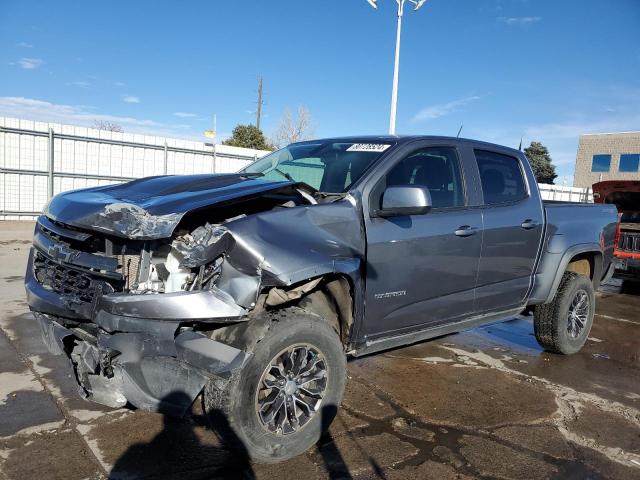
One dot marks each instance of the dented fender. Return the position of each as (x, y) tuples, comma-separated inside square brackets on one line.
[(288, 246)]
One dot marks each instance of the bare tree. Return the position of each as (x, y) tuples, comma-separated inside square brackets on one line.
[(294, 128), (108, 126)]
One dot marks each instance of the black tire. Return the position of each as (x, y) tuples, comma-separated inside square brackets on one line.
[(554, 330), (231, 407)]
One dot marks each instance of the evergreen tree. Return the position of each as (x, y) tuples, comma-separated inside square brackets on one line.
[(248, 136), (543, 169)]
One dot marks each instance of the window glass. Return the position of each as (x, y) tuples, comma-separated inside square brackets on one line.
[(436, 168), (629, 162), (501, 177), (601, 163), (307, 170), (327, 166)]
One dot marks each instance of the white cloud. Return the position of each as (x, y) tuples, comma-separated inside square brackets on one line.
[(561, 137), (575, 128), (80, 84), (82, 115), (184, 114), (30, 63), (131, 99), (436, 111), (119, 84), (25, 45), (519, 20), (44, 111)]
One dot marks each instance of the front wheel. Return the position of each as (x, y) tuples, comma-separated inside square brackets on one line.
[(278, 405), (563, 325)]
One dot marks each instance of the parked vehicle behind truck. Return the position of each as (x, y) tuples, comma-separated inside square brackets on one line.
[(625, 195), (253, 288)]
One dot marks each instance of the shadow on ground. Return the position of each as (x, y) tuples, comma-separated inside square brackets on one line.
[(178, 452)]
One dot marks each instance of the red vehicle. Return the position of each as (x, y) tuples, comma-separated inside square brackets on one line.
[(625, 194)]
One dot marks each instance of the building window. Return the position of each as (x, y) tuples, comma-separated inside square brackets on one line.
[(601, 163), (629, 162)]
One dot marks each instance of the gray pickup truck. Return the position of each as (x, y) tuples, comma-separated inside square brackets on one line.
[(252, 289)]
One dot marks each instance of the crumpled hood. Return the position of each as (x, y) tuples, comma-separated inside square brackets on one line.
[(150, 208)]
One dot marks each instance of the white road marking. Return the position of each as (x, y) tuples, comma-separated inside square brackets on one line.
[(608, 317)]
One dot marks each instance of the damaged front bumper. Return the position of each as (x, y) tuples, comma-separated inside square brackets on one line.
[(143, 369), (137, 349)]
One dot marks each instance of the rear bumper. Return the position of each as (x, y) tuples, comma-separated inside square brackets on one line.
[(627, 267)]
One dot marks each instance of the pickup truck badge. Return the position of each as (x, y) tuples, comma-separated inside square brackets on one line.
[(59, 252), (399, 293)]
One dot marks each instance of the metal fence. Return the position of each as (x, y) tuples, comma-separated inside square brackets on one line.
[(565, 193), (39, 160)]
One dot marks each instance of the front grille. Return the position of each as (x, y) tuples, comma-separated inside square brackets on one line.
[(629, 242), (70, 282)]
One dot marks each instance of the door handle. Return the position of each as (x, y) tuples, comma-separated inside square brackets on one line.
[(465, 231), (528, 224)]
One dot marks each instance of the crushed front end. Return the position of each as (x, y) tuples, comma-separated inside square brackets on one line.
[(133, 316), (158, 286)]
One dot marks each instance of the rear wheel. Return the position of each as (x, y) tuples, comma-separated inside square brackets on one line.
[(278, 405), (563, 325)]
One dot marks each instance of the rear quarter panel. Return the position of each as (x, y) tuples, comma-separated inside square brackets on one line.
[(573, 229)]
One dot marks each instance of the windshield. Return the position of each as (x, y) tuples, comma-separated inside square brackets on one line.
[(327, 166)]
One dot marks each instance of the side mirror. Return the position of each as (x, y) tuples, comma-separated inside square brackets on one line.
[(405, 200)]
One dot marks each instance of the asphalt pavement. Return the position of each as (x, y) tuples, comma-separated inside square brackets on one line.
[(486, 403)]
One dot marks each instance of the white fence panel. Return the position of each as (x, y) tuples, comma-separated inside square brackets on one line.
[(39, 159), (565, 193)]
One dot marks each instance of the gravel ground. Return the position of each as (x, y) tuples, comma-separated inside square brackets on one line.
[(486, 403)]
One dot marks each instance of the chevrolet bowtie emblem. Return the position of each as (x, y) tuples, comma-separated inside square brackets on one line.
[(58, 252)]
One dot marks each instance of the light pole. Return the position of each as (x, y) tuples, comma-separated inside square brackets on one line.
[(396, 66)]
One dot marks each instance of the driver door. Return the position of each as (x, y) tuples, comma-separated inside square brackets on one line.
[(422, 269)]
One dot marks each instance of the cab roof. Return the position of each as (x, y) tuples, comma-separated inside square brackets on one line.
[(401, 139)]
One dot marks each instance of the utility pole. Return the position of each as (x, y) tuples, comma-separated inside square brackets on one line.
[(259, 111)]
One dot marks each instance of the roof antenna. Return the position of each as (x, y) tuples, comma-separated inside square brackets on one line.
[(520, 146), (460, 130)]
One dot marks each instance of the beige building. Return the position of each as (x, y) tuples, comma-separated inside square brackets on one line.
[(607, 156)]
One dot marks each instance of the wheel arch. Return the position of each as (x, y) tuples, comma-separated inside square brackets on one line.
[(330, 296), (581, 259)]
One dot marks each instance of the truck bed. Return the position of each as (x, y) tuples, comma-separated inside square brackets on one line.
[(581, 222), (570, 229)]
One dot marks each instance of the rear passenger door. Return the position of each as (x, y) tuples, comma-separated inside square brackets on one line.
[(513, 227)]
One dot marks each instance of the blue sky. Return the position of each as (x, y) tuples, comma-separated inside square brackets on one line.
[(546, 70)]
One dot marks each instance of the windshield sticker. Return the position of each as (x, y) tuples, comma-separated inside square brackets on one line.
[(368, 147)]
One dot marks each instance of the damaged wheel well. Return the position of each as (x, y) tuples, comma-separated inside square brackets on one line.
[(329, 297)]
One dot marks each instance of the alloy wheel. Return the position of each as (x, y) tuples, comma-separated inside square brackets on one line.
[(291, 389)]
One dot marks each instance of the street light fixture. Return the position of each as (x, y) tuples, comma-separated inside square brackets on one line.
[(417, 4)]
